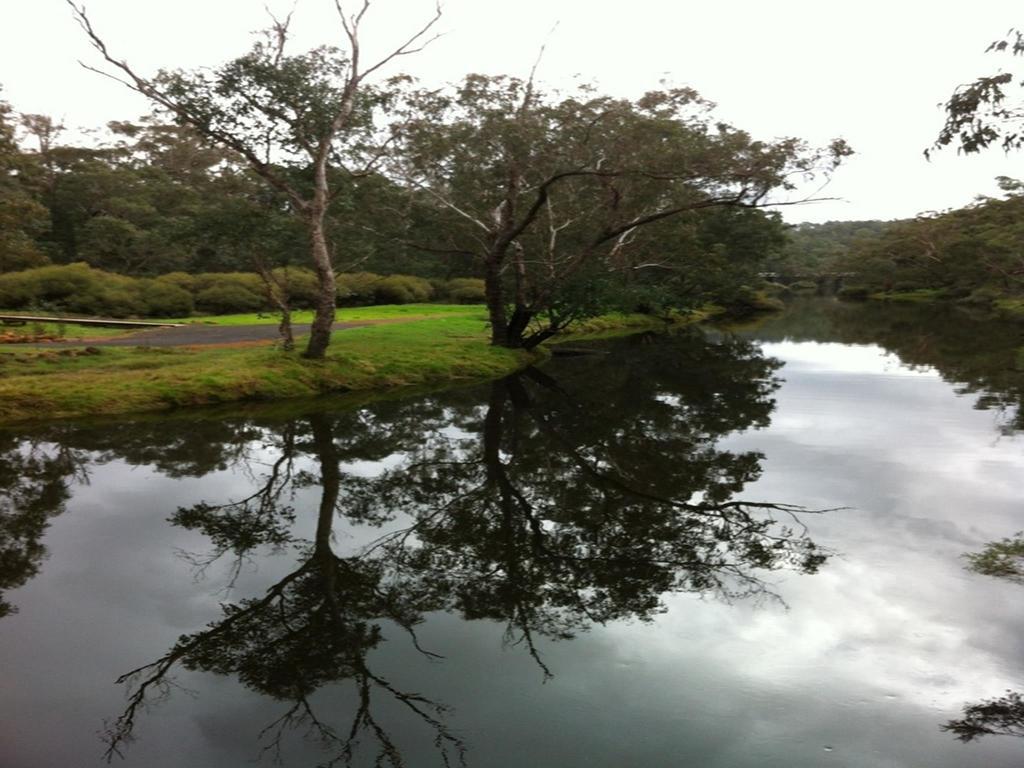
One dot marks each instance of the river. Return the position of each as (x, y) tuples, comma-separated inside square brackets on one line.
[(724, 548)]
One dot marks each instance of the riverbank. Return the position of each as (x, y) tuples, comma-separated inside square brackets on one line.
[(448, 347), (1010, 307)]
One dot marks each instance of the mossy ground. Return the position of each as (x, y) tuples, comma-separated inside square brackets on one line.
[(449, 347)]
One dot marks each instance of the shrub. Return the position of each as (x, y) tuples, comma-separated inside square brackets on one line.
[(182, 280), (245, 280), (117, 297), (440, 287), (985, 296), (357, 287), (465, 290), (228, 298), (46, 285), (165, 299), (746, 299), (300, 284), (15, 291), (72, 288), (403, 289)]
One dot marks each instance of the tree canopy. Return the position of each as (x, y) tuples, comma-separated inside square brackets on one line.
[(548, 190), (983, 112)]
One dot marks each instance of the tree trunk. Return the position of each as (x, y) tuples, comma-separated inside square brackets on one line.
[(538, 338), (517, 325), (285, 329), (330, 484), (323, 318), (277, 293), (495, 301)]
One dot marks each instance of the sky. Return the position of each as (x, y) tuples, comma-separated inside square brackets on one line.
[(872, 72)]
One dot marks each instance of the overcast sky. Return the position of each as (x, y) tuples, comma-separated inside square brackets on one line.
[(872, 72)]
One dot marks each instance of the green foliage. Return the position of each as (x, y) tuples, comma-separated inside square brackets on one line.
[(22, 217), (403, 289), (156, 200), (357, 287), (747, 299), (818, 249), (227, 298), (73, 288), (164, 299), (979, 114), (84, 289), (1002, 559), (568, 186), (464, 290), (972, 253), (299, 284), (984, 296), (181, 280), (360, 288)]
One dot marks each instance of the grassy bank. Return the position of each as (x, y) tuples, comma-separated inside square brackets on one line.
[(618, 324), (919, 296), (441, 346), (69, 332), (1011, 307)]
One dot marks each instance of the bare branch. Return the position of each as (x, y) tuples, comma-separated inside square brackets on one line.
[(150, 90)]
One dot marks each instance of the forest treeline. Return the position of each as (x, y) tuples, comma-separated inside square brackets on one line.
[(147, 218), (973, 254)]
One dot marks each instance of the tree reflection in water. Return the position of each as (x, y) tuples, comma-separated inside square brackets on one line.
[(35, 484), (549, 507), (1003, 716), (313, 627)]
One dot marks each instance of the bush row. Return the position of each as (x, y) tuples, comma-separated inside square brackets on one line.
[(82, 289)]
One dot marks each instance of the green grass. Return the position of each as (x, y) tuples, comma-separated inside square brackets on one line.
[(55, 383), (345, 315), (447, 348), (389, 312)]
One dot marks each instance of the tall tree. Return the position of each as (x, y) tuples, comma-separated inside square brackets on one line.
[(290, 118), (21, 215), (546, 188)]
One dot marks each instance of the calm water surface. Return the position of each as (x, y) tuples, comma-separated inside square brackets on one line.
[(739, 548)]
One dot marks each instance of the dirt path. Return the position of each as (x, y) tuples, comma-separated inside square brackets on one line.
[(200, 335), (194, 336)]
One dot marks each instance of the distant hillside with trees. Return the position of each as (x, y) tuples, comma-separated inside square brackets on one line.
[(812, 249), (974, 254)]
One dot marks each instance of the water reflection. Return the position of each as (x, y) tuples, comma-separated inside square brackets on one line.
[(981, 355), (548, 505), (311, 628), (1002, 716), (35, 480)]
